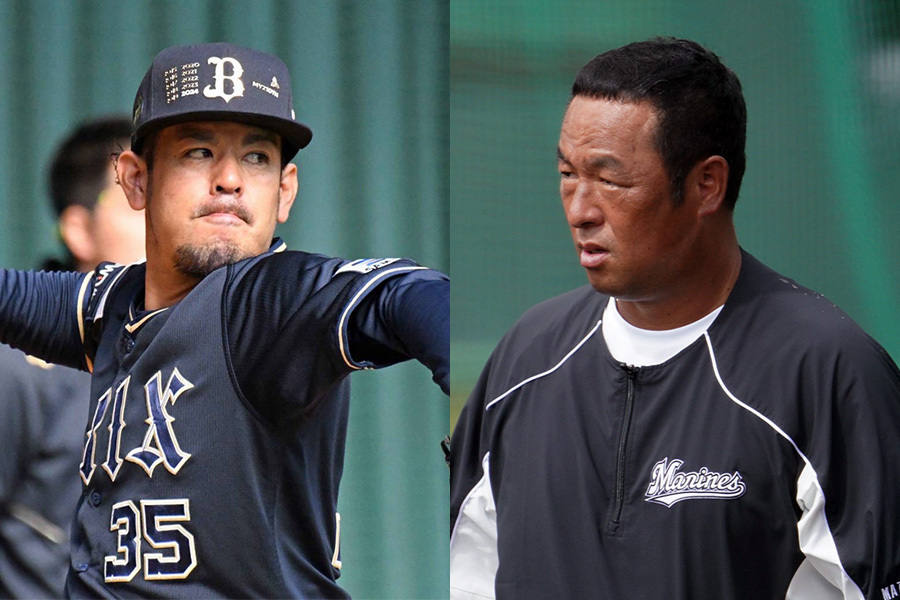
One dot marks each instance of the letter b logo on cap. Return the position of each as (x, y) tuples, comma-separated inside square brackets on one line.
[(235, 78)]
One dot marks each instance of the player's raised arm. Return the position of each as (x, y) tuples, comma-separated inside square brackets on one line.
[(42, 314)]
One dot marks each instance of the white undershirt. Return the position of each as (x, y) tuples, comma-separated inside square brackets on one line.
[(643, 347)]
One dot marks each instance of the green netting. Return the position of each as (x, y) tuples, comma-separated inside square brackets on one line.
[(822, 82)]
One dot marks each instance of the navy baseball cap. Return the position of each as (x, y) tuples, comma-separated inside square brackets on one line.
[(217, 82)]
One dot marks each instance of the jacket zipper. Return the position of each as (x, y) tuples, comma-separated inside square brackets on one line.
[(631, 373)]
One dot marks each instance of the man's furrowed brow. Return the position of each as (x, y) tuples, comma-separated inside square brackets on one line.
[(606, 161)]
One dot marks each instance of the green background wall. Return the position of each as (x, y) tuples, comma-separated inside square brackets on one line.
[(370, 78), (820, 197)]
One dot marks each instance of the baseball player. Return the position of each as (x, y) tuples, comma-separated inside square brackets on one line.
[(692, 424), (219, 397), (45, 406)]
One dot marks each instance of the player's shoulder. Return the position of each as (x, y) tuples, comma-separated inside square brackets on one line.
[(307, 268), (287, 279), (772, 324), (788, 352), (766, 299), (100, 288)]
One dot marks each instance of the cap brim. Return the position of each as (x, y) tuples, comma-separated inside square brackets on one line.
[(294, 135)]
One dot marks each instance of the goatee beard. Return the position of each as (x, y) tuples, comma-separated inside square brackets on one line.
[(200, 261)]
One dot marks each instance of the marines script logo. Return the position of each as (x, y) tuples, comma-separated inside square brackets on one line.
[(668, 486)]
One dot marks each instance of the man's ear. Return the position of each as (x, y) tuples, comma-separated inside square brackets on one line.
[(709, 180), (132, 174), (287, 192), (75, 230)]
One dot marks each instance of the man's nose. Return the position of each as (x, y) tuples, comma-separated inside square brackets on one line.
[(227, 178), (583, 207)]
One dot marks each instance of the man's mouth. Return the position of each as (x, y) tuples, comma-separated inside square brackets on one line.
[(592, 255), (224, 214), (222, 218)]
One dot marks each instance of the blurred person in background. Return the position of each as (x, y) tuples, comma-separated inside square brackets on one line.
[(45, 407)]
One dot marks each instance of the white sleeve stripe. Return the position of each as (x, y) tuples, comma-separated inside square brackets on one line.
[(547, 372), (79, 307), (79, 312), (350, 306), (769, 422), (102, 304), (815, 536)]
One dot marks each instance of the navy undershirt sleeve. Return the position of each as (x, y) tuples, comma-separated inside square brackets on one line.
[(38, 314), (406, 318)]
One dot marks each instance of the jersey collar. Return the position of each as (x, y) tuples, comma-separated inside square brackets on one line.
[(137, 316), (278, 245)]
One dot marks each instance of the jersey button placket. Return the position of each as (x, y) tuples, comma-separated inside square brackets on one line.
[(96, 498)]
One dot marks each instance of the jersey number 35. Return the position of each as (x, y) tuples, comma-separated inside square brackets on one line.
[(169, 553)]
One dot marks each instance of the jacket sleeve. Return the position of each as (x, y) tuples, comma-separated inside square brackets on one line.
[(849, 491)]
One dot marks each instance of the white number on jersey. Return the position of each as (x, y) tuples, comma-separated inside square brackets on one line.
[(170, 553)]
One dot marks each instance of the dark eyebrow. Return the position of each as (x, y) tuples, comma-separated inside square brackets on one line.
[(186, 132), (262, 136), (600, 162)]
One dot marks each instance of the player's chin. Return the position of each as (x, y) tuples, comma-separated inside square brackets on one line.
[(603, 282), (199, 260)]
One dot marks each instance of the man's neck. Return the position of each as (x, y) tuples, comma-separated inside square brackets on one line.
[(164, 290), (693, 300)]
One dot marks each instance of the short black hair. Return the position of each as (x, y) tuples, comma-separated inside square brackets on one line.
[(699, 103), (80, 166)]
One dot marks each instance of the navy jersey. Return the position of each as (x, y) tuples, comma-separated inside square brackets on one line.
[(759, 462), (215, 444), (44, 409)]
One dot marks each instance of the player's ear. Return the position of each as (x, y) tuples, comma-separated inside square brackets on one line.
[(287, 192), (75, 230), (708, 180), (132, 174)]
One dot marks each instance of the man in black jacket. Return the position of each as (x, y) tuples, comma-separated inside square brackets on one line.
[(692, 424)]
